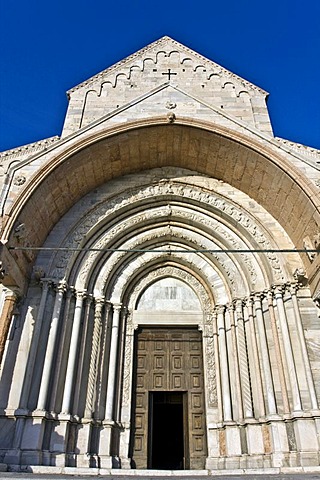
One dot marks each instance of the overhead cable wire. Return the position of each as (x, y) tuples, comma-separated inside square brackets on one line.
[(169, 249)]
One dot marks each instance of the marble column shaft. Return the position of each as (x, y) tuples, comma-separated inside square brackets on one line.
[(256, 367), (277, 348), (270, 395), (292, 374), (112, 362), (6, 317), (74, 342), (243, 362), (51, 343), (225, 381), (234, 356), (303, 348), (83, 347), (45, 284)]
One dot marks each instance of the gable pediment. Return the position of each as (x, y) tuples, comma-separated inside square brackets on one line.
[(165, 62)]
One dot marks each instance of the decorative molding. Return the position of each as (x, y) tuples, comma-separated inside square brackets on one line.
[(168, 189), (164, 46), (170, 105), (19, 180), (305, 150), (24, 151)]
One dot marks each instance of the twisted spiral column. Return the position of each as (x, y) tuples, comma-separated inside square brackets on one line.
[(255, 353), (96, 336), (243, 361)]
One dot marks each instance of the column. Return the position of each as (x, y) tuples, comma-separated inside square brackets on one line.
[(45, 283), (235, 358), (285, 399), (243, 361), (218, 366), (113, 362), (48, 362), (62, 348), (71, 365), (225, 382), (306, 362), (83, 347), (296, 400), (99, 303), (271, 403), (256, 360), (10, 300)]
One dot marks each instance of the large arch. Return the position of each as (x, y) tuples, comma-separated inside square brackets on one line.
[(246, 163)]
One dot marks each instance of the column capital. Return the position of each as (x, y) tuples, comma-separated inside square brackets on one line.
[(278, 290), (61, 285), (117, 306), (293, 287), (2, 271), (99, 300), (220, 309), (89, 299), (45, 282), (13, 293), (238, 303), (258, 296), (248, 302), (81, 293), (230, 306)]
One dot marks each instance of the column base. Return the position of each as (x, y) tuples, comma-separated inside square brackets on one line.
[(105, 461)]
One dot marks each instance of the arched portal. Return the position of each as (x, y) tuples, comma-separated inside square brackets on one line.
[(150, 278), (158, 266)]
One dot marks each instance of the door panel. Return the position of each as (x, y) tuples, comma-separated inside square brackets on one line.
[(169, 360)]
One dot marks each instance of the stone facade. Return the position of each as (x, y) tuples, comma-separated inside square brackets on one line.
[(167, 203)]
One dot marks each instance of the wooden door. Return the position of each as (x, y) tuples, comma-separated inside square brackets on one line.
[(169, 360)]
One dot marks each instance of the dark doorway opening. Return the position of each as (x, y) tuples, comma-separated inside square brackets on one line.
[(166, 434)]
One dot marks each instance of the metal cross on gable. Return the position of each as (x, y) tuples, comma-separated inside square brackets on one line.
[(169, 73)]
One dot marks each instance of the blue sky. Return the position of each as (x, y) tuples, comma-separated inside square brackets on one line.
[(48, 47)]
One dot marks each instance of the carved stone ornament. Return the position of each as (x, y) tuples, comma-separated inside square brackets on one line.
[(2, 271), (20, 231), (307, 244), (38, 273), (300, 276), (186, 192), (316, 300), (170, 105), (171, 117), (19, 180), (316, 241)]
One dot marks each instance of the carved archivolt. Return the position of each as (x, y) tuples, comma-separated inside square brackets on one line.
[(164, 191), (187, 236), (217, 286)]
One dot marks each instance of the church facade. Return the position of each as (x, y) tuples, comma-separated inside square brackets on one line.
[(160, 279)]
